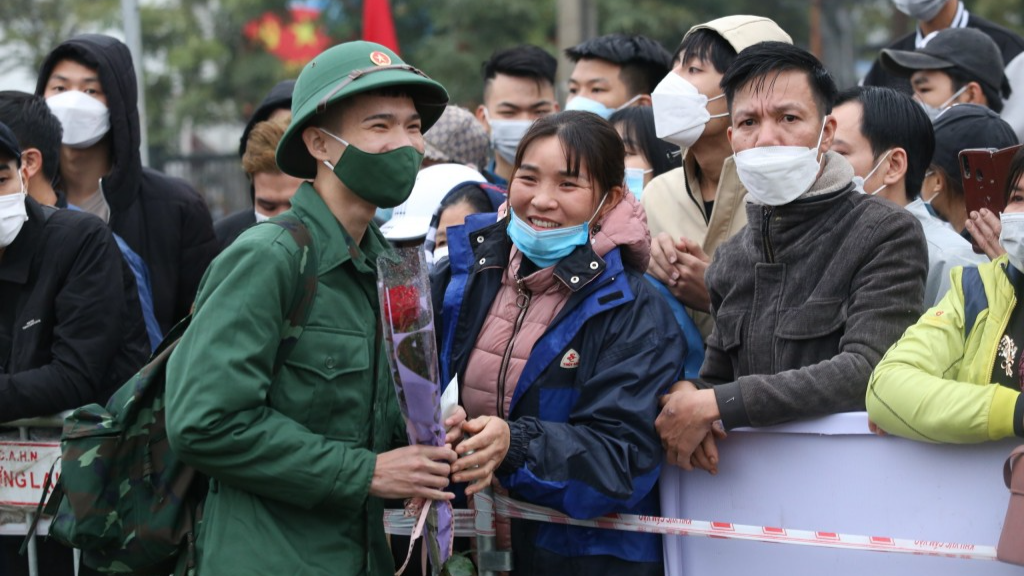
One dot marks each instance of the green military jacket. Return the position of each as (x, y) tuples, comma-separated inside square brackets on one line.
[(290, 457)]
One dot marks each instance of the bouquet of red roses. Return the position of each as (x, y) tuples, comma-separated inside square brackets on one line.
[(404, 291)]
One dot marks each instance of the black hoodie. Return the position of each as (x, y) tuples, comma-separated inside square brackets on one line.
[(229, 227), (161, 218)]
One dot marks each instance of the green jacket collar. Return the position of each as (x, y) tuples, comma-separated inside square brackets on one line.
[(334, 244)]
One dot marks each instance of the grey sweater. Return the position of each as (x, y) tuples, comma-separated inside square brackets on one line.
[(806, 300)]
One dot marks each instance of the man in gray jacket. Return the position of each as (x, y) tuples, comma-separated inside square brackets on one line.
[(808, 297)]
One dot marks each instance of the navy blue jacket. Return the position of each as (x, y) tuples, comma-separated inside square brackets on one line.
[(583, 438)]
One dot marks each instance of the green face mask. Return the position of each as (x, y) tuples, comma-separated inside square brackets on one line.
[(384, 180)]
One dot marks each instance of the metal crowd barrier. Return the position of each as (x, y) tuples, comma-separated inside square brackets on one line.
[(480, 522), (23, 426), (477, 523)]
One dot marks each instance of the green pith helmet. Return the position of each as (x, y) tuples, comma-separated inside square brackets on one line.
[(341, 72)]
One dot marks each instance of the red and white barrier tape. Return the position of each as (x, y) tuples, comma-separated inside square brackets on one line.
[(464, 526), (396, 522)]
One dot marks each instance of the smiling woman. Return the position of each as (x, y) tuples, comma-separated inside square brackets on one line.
[(563, 175), (560, 347)]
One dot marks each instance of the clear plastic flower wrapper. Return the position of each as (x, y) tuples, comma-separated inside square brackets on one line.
[(408, 328)]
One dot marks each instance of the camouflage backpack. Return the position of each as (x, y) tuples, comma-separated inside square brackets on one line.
[(123, 496)]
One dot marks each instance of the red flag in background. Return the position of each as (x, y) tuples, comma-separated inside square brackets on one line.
[(378, 26), (294, 41)]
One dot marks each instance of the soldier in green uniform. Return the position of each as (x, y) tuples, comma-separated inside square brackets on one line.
[(299, 462)]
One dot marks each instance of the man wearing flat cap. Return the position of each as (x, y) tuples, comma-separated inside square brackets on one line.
[(300, 459)]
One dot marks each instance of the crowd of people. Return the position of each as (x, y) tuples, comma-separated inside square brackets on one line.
[(694, 241)]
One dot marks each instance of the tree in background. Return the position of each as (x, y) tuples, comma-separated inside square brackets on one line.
[(29, 29), (201, 69), (450, 39)]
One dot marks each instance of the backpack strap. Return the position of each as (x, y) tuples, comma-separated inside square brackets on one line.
[(50, 508), (305, 289), (975, 299)]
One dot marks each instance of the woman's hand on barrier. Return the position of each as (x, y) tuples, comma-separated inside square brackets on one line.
[(453, 427), (685, 421), (481, 453), (705, 456), (985, 228), (413, 472)]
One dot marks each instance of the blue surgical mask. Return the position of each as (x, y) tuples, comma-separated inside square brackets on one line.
[(635, 180), (384, 214), (588, 105), (546, 247), (506, 135)]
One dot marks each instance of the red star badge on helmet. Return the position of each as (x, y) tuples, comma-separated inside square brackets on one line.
[(380, 59)]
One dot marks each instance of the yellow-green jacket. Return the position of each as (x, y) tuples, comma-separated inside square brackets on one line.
[(935, 384), (290, 456)]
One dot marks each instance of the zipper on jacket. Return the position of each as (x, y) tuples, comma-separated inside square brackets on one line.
[(523, 302), (766, 233), (697, 203)]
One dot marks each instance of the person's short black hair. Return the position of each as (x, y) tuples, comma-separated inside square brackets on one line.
[(761, 64), (523, 61), (891, 119), (638, 134), (706, 45), (644, 62), (954, 184), (962, 78), (472, 195), (35, 126)]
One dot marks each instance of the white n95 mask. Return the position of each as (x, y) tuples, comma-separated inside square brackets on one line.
[(777, 175), (85, 119), (859, 182), (680, 111)]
